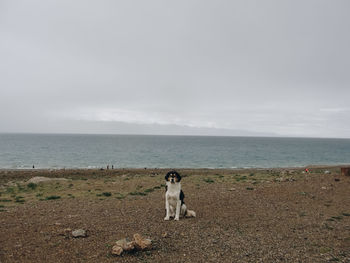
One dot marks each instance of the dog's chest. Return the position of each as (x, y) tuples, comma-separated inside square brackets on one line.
[(173, 194)]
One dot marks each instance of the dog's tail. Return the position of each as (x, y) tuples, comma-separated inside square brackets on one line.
[(190, 213)]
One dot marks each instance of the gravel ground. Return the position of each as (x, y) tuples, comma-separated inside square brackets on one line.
[(281, 217)]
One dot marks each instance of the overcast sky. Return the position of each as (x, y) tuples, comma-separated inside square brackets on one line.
[(258, 67)]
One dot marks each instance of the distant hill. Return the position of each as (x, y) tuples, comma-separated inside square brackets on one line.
[(94, 127)]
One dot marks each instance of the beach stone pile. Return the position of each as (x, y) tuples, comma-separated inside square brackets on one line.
[(138, 244)]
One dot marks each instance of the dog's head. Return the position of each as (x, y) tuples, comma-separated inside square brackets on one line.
[(173, 177)]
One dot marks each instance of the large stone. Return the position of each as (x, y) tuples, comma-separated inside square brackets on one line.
[(79, 233), (117, 250), (142, 243)]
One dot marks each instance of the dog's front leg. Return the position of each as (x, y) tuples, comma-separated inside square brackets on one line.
[(167, 216), (178, 208)]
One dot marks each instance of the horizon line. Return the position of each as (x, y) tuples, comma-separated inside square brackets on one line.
[(175, 135)]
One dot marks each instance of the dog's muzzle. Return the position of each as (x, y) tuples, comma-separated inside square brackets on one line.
[(172, 180)]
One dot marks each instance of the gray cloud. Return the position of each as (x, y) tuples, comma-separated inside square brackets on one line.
[(271, 67)]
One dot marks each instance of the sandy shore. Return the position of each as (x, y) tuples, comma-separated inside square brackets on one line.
[(252, 215)]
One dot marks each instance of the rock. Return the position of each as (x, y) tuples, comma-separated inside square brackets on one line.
[(125, 245), (327, 172), (165, 234), (323, 188), (79, 233), (232, 189), (337, 179), (65, 232), (117, 250), (142, 243), (130, 246)]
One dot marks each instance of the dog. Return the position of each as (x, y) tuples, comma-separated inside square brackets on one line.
[(174, 198)]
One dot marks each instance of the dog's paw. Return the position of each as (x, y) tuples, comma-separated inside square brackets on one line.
[(176, 219), (166, 218)]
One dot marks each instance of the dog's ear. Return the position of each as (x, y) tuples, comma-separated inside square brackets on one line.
[(167, 176), (178, 176)]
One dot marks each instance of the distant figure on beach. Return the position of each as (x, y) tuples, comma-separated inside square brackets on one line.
[(33, 166), (107, 167), (307, 170), (112, 167)]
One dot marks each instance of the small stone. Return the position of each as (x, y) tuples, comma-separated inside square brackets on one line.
[(117, 250), (232, 189), (323, 188), (142, 243), (65, 232), (165, 234), (79, 233)]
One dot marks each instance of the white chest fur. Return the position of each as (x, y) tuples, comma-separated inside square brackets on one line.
[(173, 191)]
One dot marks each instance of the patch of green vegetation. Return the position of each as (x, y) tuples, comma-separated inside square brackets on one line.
[(324, 250), (345, 214), (19, 199), (10, 190), (2, 206), (5, 200), (302, 214), (20, 188), (39, 194), (337, 217), (137, 193), (120, 196), (149, 190), (107, 194), (32, 186), (70, 185), (52, 197), (252, 174), (328, 227), (250, 188), (71, 196), (208, 180), (126, 179), (240, 178), (156, 187)]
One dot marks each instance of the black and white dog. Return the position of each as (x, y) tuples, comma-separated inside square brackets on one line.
[(174, 198)]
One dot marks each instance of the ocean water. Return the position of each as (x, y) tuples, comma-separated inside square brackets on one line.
[(21, 151)]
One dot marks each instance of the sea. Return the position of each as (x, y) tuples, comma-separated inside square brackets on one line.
[(56, 151)]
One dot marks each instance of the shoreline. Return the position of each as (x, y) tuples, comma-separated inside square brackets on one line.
[(314, 166)]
